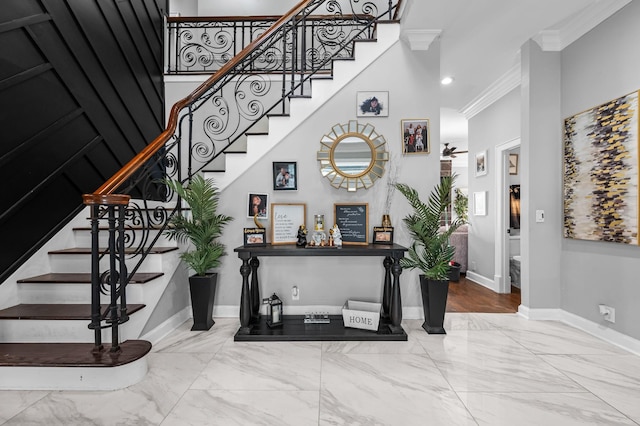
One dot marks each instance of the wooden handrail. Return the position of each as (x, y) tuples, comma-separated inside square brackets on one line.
[(254, 18), (104, 194)]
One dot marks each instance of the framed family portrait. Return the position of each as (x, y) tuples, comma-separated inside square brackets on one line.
[(285, 175), (257, 205), (481, 163), (372, 104), (415, 136)]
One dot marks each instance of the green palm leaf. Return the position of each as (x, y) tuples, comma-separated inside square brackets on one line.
[(430, 251), (202, 227)]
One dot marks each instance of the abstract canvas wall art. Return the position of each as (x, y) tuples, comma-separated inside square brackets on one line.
[(601, 172)]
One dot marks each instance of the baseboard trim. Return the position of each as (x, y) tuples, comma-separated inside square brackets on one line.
[(595, 329), (480, 279), (161, 331)]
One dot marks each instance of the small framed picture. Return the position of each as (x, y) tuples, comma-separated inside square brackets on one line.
[(372, 104), (415, 136), (285, 175), (382, 235), (255, 237), (481, 163), (513, 164), (480, 203), (286, 219), (257, 205)]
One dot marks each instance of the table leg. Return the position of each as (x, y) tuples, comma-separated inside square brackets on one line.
[(386, 292), (255, 289), (245, 298), (396, 300)]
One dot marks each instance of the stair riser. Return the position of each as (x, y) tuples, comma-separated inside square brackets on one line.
[(70, 263), (71, 293), (68, 331), (83, 238)]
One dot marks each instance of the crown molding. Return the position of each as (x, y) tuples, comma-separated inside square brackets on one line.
[(503, 85), (579, 25), (419, 39)]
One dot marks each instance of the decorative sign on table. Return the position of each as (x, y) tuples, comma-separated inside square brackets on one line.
[(285, 221), (353, 221)]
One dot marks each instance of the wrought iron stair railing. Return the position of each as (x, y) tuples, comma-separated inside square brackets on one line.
[(290, 52)]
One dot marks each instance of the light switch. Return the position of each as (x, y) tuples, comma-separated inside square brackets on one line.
[(539, 216)]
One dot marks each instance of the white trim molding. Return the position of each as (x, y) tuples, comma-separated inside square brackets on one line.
[(554, 40), (503, 85), (480, 279), (595, 329), (419, 39)]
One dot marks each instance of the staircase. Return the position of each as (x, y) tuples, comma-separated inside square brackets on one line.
[(45, 328)]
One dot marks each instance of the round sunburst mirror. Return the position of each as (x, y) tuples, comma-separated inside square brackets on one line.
[(352, 156)]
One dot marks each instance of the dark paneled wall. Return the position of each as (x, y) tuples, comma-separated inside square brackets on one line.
[(80, 94)]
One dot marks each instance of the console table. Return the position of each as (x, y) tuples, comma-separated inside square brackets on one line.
[(253, 327)]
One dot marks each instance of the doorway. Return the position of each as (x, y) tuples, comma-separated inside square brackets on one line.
[(507, 174)]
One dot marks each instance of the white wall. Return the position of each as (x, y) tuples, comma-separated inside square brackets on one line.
[(495, 125), (602, 65), (330, 281)]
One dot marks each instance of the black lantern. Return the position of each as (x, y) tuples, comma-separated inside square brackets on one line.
[(275, 311)]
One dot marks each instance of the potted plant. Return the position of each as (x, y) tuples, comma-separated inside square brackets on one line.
[(201, 225), (430, 251)]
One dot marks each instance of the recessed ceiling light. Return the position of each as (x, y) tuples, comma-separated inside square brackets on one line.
[(446, 80)]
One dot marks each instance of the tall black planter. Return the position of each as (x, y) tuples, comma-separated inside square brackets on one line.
[(434, 304), (203, 293)]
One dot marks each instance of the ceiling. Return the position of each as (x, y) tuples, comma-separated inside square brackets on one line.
[(480, 42)]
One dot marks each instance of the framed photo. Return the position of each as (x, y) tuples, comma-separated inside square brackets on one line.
[(480, 203), (513, 164), (382, 235), (255, 237), (372, 104), (353, 221), (257, 205), (285, 175), (285, 221), (415, 136), (481, 163)]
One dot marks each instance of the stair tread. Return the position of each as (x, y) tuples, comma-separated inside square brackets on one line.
[(87, 250), (56, 311), (84, 278), (70, 354)]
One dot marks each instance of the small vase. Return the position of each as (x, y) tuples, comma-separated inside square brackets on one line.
[(386, 221)]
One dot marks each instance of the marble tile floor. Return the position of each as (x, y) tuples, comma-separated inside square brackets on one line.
[(490, 369)]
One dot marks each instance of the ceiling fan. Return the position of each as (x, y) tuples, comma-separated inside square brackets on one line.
[(451, 152)]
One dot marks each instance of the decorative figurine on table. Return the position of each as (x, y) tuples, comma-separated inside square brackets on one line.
[(337, 236), (302, 236)]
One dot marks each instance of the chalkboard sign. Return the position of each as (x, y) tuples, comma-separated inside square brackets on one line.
[(353, 221)]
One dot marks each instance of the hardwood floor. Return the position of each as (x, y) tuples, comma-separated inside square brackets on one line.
[(467, 296)]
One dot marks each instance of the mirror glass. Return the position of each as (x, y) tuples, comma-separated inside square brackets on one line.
[(352, 156)]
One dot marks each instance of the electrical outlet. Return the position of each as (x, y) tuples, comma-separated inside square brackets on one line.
[(608, 313), (473, 265), (295, 293)]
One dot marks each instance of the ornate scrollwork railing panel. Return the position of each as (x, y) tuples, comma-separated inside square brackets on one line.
[(261, 65)]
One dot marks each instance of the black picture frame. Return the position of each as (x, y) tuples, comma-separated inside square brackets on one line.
[(255, 237), (285, 175), (353, 221), (262, 207), (383, 235)]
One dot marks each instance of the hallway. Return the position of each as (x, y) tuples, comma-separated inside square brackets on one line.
[(468, 296)]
